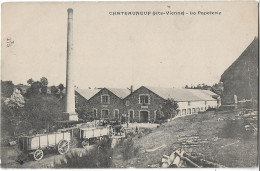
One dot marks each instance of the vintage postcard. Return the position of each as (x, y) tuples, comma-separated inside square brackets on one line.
[(129, 84)]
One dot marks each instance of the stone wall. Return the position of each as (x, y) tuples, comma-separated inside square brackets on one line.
[(114, 103), (155, 103)]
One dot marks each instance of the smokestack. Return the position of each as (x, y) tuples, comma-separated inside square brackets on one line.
[(70, 94)]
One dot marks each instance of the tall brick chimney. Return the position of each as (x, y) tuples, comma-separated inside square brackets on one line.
[(71, 115)]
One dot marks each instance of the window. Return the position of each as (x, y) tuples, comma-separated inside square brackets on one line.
[(95, 112), (127, 103), (183, 111), (104, 113), (193, 110), (205, 102), (189, 111), (201, 108), (116, 113), (105, 99), (188, 103), (143, 99)]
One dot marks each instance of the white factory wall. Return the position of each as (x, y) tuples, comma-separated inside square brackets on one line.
[(193, 107)]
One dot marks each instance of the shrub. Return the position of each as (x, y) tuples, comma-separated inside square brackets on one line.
[(99, 157), (128, 150)]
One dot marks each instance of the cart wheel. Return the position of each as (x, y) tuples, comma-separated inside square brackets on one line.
[(38, 155), (85, 144), (63, 146)]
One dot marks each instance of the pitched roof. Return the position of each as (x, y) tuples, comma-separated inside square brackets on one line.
[(203, 94), (249, 54), (119, 92), (87, 93), (179, 94)]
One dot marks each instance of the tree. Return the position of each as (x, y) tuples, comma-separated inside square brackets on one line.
[(12, 110), (7, 88), (217, 88), (54, 90), (169, 108), (85, 113), (44, 89), (61, 87), (30, 81), (34, 89), (44, 81), (43, 110), (16, 100)]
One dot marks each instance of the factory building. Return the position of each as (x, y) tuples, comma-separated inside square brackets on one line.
[(105, 103), (142, 104)]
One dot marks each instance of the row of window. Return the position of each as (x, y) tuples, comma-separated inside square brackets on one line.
[(191, 110), (143, 99), (105, 113)]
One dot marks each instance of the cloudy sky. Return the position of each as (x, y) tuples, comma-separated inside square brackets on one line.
[(119, 51)]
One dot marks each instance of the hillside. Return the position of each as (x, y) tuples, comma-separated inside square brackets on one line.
[(239, 150)]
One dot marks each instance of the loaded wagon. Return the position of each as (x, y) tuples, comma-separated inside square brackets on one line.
[(91, 135), (36, 144)]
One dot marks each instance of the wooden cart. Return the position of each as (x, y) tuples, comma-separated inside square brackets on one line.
[(91, 135), (34, 145)]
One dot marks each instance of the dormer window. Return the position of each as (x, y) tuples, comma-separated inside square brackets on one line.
[(189, 103), (144, 99), (105, 99)]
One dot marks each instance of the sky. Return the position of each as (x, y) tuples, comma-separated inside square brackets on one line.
[(119, 51)]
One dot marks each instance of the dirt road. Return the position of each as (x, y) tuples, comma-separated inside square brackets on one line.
[(48, 161)]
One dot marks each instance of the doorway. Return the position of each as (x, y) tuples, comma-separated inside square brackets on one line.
[(144, 116)]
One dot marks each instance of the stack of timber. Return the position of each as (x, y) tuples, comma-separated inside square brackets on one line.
[(180, 159)]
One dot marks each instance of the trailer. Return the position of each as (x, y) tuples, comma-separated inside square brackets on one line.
[(93, 134), (36, 144)]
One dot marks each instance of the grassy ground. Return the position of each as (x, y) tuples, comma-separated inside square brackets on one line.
[(228, 144), (239, 151)]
